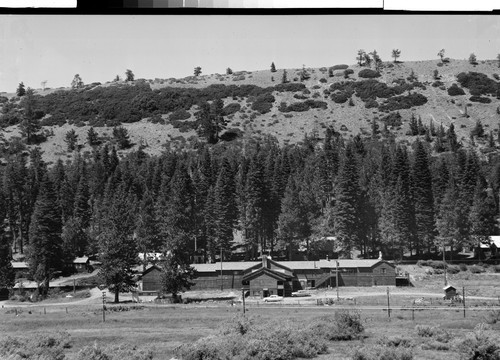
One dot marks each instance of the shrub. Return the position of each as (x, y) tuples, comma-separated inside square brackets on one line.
[(298, 106), (339, 67), (452, 269), (43, 346), (434, 332), (377, 352), (480, 99), (480, 344), (454, 90), (369, 74), (478, 83), (348, 72), (397, 341), (462, 266), (340, 97), (230, 109), (476, 269), (371, 104), (323, 80), (300, 97), (496, 77), (180, 114), (262, 107), (403, 102), (497, 268), (436, 264), (437, 83), (393, 119)]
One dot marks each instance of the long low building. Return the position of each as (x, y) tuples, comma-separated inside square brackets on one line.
[(269, 277)]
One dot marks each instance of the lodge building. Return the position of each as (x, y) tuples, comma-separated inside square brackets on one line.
[(269, 277)]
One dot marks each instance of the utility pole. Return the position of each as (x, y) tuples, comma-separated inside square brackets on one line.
[(463, 298), (444, 265), (388, 304), (243, 298), (221, 278), (337, 278)]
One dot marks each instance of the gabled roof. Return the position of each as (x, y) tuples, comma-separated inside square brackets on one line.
[(81, 260), (449, 287), (20, 265), (151, 268), (229, 265), (272, 273)]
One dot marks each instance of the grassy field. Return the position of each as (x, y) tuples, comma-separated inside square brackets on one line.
[(162, 328)]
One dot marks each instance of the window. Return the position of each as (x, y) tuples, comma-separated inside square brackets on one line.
[(383, 270)]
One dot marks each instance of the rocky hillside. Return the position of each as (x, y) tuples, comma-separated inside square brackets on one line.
[(160, 113)]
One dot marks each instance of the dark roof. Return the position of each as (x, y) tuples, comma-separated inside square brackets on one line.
[(273, 273), (151, 268)]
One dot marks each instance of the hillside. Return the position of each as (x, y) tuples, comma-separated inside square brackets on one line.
[(158, 129)]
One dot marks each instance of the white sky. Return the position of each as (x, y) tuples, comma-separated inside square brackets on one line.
[(98, 47)]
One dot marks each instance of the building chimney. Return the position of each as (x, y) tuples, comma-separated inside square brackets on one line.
[(264, 261)]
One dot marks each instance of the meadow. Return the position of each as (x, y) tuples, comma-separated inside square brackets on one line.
[(157, 330)]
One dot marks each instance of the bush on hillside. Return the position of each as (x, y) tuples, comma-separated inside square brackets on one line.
[(437, 83), (340, 97), (403, 102), (478, 83), (463, 267), (179, 114), (477, 269), (393, 119), (452, 269), (496, 77), (454, 90), (371, 104), (480, 99), (323, 80), (377, 352), (230, 109), (339, 67), (369, 74), (114, 352), (262, 107)]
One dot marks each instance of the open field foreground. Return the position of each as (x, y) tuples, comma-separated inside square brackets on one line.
[(160, 329)]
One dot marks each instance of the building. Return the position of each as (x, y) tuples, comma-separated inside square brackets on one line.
[(81, 264), (269, 277), (21, 269)]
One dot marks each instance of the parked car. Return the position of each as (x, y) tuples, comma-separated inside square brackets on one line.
[(273, 298), (300, 293)]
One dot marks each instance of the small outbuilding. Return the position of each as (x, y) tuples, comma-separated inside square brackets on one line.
[(81, 264), (449, 292)]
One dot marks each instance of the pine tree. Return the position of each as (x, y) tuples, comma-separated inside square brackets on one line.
[(447, 219), (197, 71), (414, 125), (423, 196), (121, 136), (396, 53), (207, 127), (224, 207), (30, 125), (71, 139), (452, 138), (92, 137), (21, 91), (7, 274), (129, 75), (147, 228), (292, 219), (346, 209), (273, 67), (284, 78), (117, 247), (482, 215), (77, 82), (176, 276), (361, 57), (45, 247)]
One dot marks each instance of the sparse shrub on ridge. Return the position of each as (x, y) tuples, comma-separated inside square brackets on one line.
[(179, 114), (480, 99), (377, 352), (477, 269), (114, 352), (43, 346), (454, 90), (369, 74), (230, 109), (339, 67), (403, 102)]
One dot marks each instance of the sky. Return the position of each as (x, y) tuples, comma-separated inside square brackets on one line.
[(99, 47)]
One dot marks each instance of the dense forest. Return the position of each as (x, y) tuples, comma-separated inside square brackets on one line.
[(371, 195), (240, 196)]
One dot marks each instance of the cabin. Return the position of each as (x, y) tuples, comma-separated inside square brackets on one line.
[(81, 264), (21, 269), (270, 277), (449, 292), (495, 246)]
